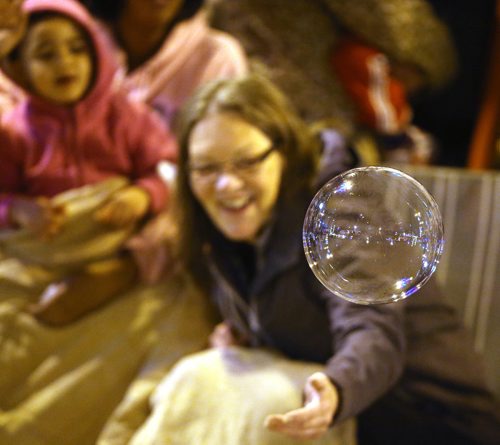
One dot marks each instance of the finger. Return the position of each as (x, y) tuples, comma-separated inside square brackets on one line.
[(103, 214), (300, 418), (275, 422), (278, 424), (319, 382), (49, 228), (110, 213), (59, 210), (52, 230), (122, 215), (306, 417), (305, 434), (120, 218)]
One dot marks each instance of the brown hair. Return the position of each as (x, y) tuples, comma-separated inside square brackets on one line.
[(257, 101)]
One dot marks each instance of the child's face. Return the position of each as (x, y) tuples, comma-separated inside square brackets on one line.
[(57, 60)]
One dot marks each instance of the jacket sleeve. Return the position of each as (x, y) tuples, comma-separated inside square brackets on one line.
[(151, 143), (369, 345)]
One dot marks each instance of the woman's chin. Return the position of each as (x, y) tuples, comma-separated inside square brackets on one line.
[(241, 233), (237, 223)]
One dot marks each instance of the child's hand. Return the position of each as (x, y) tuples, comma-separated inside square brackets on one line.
[(37, 215), (12, 24), (125, 207)]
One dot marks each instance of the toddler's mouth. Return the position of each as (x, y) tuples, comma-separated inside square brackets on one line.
[(65, 80)]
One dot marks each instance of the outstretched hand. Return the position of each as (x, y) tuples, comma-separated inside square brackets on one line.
[(315, 417), (125, 207)]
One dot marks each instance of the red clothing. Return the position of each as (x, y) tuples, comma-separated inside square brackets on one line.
[(46, 148), (379, 98)]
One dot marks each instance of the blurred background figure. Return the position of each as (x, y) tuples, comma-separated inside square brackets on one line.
[(167, 49), (298, 44), (381, 102)]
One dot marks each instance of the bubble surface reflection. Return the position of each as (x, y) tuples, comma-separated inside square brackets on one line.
[(373, 235)]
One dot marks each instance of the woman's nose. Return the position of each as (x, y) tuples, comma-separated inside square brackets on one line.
[(227, 180)]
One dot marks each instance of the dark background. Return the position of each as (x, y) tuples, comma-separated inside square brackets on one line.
[(450, 114)]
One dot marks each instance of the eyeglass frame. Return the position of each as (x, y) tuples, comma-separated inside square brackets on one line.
[(240, 167)]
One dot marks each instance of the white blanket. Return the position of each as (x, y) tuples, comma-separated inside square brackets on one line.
[(59, 386), (222, 396)]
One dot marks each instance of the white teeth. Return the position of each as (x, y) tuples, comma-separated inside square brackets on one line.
[(236, 203)]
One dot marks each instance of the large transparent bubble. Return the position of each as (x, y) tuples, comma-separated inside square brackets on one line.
[(373, 235)]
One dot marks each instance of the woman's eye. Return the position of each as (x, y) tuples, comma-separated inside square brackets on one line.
[(246, 163), (205, 169)]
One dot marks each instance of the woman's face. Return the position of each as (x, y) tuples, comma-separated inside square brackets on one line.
[(153, 11), (235, 173)]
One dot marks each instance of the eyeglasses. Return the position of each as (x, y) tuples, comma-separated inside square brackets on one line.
[(243, 166)]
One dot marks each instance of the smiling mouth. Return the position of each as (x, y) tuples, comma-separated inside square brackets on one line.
[(236, 204)]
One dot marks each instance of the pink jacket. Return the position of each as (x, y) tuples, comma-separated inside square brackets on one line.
[(46, 148), (191, 55)]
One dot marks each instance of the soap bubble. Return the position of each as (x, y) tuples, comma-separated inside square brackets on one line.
[(373, 235)]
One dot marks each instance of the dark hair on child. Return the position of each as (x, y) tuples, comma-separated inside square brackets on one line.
[(38, 17)]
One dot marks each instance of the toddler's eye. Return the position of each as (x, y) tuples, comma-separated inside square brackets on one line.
[(45, 55), (78, 47)]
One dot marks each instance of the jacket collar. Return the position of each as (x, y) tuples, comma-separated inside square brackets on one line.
[(283, 243), (278, 248)]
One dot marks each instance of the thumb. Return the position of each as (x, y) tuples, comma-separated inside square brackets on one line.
[(314, 387), (318, 381)]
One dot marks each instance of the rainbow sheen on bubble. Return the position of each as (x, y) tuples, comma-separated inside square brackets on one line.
[(373, 235)]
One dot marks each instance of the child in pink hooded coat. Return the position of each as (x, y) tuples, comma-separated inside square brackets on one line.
[(74, 128)]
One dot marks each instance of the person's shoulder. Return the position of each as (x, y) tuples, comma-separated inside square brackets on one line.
[(217, 42)]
